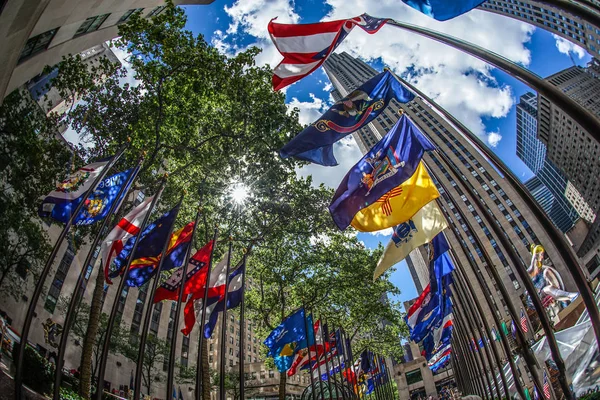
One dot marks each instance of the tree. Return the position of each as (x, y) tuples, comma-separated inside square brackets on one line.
[(157, 351), (32, 160), (79, 330)]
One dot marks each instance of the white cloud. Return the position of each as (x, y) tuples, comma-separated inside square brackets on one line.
[(566, 47), (328, 86), (494, 138), (384, 232), (346, 152), (253, 16), (309, 110)]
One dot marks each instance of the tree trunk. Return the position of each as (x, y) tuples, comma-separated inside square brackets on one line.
[(206, 386), (282, 379), (90, 338)]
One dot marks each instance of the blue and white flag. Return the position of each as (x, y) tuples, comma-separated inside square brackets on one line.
[(443, 10), (315, 143), (61, 202), (440, 263)]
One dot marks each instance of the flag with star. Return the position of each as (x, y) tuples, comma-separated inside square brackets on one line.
[(388, 185), (196, 276)]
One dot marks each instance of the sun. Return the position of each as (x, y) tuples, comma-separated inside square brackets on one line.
[(239, 193)]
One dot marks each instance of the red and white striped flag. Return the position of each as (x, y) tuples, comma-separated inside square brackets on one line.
[(305, 47), (524, 327), (127, 227), (546, 386)]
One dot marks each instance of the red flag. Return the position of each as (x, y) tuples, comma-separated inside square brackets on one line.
[(196, 277)]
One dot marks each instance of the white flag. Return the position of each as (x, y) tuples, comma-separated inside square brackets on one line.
[(419, 230)]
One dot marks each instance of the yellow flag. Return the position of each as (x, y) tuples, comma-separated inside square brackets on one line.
[(427, 223), (399, 204)]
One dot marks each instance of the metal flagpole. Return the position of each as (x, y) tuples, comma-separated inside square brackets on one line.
[(199, 388), (41, 280), (326, 351), (389, 379), (479, 362), (521, 271), (468, 356), (184, 268), (146, 326), (354, 384), (113, 313), (557, 238), (346, 355), (339, 360), (223, 323), (243, 328), (73, 303), (527, 354), (382, 378), (470, 324), (332, 374), (306, 328), (473, 322), (460, 360), (318, 360), (459, 280)]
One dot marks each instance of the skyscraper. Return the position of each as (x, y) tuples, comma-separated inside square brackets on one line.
[(37, 33), (508, 209), (573, 150), (559, 22), (551, 184)]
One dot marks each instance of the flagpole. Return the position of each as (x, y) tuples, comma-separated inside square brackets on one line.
[(331, 371), (339, 360), (521, 271), (346, 360), (489, 266), (150, 308), (73, 302), (459, 281), (467, 319), (325, 352), (388, 382), (224, 323), (115, 306), (243, 328), (563, 248), (199, 368), (318, 359), (467, 382), (172, 349), (306, 329), (464, 347), (41, 280)]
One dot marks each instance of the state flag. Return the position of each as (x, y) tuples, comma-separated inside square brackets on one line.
[(388, 185), (418, 230)]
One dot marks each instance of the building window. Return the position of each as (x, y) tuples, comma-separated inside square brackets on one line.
[(128, 14), (59, 279), (37, 44), (156, 11), (91, 24)]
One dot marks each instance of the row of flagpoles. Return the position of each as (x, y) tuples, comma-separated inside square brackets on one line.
[(138, 250), (299, 344)]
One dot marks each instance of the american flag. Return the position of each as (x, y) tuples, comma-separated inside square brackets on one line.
[(546, 386), (305, 47), (524, 322)]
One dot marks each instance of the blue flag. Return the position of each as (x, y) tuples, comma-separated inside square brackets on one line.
[(289, 337), (152, 241), (443, 10), (392, 161), (440, 263), (433, 313), (315, 143), (60, 203), (180, 394)]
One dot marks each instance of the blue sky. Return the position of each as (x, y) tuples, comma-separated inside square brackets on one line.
[(481, 97)]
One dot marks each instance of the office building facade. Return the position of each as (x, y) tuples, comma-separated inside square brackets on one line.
[(532, 151), (36, 33), (508, 209), (573, 150), (554, 20)]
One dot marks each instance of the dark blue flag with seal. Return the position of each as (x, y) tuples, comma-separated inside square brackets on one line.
[(443, 10), (392, 161), (440, 263), (315, 143)]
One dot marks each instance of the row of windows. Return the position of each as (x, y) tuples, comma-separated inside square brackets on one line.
[(41, 42)]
